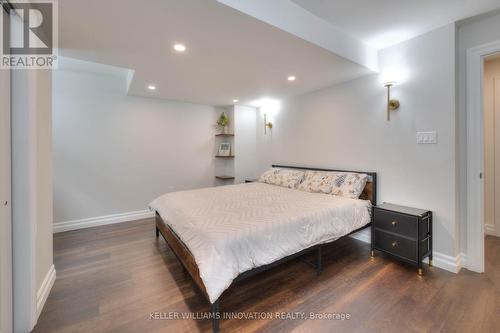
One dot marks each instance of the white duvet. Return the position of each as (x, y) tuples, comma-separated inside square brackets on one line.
[(231, 229)]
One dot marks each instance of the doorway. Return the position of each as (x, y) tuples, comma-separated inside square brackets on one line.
[(475, 193), (491, 110)]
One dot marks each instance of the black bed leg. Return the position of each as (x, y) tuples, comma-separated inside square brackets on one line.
[(318, 262), (215, 317), (157, 232)]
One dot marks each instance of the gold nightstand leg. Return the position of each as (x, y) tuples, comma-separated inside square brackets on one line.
[(420, 272), (431, 263), (372, 253)]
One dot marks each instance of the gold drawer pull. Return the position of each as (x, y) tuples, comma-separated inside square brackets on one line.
[(394, 244), (394, 223)]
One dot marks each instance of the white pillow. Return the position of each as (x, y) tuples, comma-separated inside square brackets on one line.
[(282, 177)]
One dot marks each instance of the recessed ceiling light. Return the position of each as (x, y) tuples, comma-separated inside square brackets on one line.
[(291, 78), (180, 47), (236, 100), (151, 87)]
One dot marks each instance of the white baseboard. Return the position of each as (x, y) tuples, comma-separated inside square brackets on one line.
[(490, 229), (44, 291), (102, 220), (446, 262), (463, 260)]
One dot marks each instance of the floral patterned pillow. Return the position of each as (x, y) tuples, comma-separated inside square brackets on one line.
[(282, 177), (269, 176), (318, 182), (349, 185)]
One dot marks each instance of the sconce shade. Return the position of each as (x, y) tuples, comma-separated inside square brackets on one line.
[(389, 76)]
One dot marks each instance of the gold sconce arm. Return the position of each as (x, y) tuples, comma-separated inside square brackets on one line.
[(267, 124), (392, 104)]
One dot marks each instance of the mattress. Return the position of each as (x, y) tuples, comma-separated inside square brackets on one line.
[(232, 229)]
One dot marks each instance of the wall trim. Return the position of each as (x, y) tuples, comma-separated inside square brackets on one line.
[(44, 291), (102, 220), (446, 262), (490, 229), (463, 260)]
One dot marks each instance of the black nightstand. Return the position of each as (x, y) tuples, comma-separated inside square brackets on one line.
[(250, 180), (403, 232)]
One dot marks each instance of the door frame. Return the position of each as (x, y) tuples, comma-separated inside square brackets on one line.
[(475, 153)]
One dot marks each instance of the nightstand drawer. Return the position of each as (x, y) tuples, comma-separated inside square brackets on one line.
[(395, 222), (396, 245)]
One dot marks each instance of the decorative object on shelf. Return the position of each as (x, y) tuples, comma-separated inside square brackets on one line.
[(267, 124), (224, 149), (223, 122), (403, 232)]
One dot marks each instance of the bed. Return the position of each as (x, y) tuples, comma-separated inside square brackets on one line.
[(225, 234)]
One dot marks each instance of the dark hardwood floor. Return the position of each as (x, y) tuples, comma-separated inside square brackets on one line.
[(110, 278)]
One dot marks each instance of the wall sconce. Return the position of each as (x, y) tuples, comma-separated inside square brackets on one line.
[(389, 77), (392, 104), (267, 124), (267, 106)]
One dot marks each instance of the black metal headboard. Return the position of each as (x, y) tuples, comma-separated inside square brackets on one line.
[(370, 191)]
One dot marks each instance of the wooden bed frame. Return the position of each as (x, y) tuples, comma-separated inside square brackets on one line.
[(186, 259)]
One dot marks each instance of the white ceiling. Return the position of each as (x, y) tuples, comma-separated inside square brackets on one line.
[(247, 49), (229, 54), (382, 23)]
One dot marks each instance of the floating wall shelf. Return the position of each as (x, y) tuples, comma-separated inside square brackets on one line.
[(225, 177)]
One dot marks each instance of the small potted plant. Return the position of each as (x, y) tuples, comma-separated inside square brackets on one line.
[(223, 122)]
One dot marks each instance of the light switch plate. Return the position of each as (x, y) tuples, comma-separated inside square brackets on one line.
[(427, 137)]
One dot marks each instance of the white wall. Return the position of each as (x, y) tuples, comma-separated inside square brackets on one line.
[(491, 90), (5, 206), (473, 32), (245, 142), (31, 193), (115, 153), (345, 127)]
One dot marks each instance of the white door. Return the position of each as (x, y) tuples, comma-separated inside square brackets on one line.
[(5, 206)]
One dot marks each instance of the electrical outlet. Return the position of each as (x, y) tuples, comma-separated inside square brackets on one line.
[(427, 137)]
